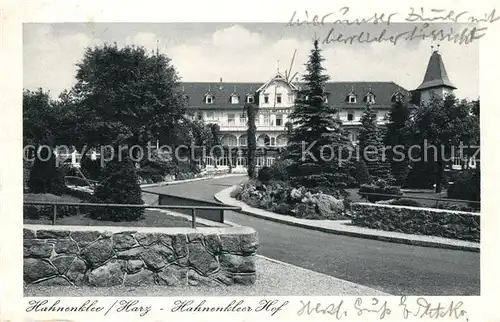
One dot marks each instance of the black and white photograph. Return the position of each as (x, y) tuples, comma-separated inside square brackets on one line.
[(318, 156)]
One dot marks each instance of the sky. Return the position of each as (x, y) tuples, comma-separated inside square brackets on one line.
[(246, 52)]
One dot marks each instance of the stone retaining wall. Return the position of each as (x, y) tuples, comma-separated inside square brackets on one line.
[(421, 221), (66, 255)]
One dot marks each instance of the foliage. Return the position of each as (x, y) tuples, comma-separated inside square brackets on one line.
[(467, 186), (45, 177), (279, 170), (396, 136), (119, 186), (264, 175), (251, 111), (379, 187), (445, 124), (406, 202), (316, 126), (91, 168), (360, 173), (371, 147)]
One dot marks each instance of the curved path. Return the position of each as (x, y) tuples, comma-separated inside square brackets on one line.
[(392, 268)]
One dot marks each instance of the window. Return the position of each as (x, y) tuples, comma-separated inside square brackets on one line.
[(243, 118), (209, 99), (352, 99), (267, 119), (326, 99), (279, 120), (370, 98), (210, 115), (278, 99), (250, 99), (199, 116), (273, 141), (290, 98), (266, 99), (230, 119), (234, 99), (350, 116)]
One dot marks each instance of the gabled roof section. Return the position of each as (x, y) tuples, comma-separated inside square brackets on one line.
[(435, 75), (278, 76)]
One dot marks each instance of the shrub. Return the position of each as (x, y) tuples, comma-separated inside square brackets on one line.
[(279, 170), (45, 177), (264, 175), (157, 178), (406, 202), (119, 186), (91, 168), (379, 187), (236, 192), (361, 173), (467, 186), (451, 206)]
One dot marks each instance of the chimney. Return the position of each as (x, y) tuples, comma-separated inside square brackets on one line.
[(221, 87)]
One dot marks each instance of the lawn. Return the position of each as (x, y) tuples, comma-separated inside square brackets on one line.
[(152, 218)]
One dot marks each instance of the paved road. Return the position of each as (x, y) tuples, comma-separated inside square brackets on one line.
[(393, 268)]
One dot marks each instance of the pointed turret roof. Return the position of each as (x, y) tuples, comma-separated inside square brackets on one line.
[(435, 75)]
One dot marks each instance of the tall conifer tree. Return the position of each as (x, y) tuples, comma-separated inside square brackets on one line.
[(318, 146)]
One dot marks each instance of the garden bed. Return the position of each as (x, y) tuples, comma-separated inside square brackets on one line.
[(281, 198), (419, 221)]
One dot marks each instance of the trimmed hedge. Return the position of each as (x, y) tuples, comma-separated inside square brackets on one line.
[(379, 187), (419, 221)]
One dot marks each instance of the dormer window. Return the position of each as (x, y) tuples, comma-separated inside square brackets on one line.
[(397, 97), (250, 99), (370, 98), (209, 99), (234, 99), (266, 98), (351, 98)]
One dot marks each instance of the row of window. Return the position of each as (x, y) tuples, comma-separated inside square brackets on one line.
[(351, 98), (231, 118)]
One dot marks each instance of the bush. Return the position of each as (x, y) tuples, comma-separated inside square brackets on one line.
[(360, 173), (451, 206), (157, 178), (120, 185), (279, 170), (467, 186), (406, 202), (379, 187), (45, 177), (91, 169), (264, 175)]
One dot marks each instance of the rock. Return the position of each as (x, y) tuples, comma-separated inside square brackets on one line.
[(37, 248), (98, 252), (172, 276), (123, 241), (134, 265), (62, 263), (143, 277), (146, 239), (212, 243), (230, 243), (158, 256), (244, 279), (132, 253), (179, 244), (35, 269), (55, 281), (194, 237), (110, 274), (66, 246), (195, 279), (53, 234), (237, 264), (76, 272), (28, 234), (202, 260), (249, 242), (84, 238)]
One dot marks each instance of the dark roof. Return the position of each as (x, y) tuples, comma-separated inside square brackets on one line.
[(338, 93), (435, 75)]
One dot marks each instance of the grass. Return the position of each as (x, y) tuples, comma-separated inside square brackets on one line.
[(152, 218)]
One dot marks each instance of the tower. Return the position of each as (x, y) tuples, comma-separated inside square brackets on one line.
[(436, 81)]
